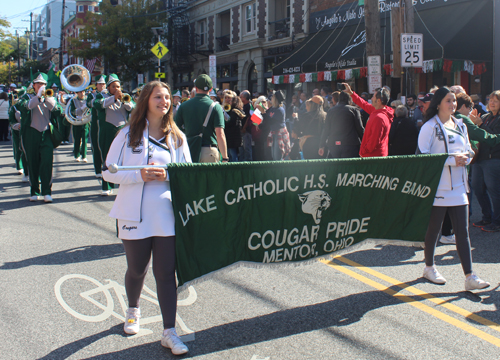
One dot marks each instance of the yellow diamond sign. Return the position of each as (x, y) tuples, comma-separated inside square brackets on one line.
[(159, 50)]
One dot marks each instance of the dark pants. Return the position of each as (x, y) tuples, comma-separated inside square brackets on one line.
[(4, 129), (343, 152), (138, 253), (39, 153), (459, 216), (486, 185)]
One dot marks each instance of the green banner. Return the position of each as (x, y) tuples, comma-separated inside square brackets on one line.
[(273, 212)]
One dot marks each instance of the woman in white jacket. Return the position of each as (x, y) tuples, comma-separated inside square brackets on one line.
[(143, 206), (443, 133)]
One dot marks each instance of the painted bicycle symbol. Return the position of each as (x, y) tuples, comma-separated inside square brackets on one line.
[(109, 306)]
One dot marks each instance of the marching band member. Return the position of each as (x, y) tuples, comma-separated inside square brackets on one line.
[(113, 116), (15, 126), (144, 205), (66, 128), (94, 127), (37, 112), (78, 105)]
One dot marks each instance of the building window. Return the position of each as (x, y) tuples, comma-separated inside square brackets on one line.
[(91, 8), (202, 31), (80, 8), (250, 16)]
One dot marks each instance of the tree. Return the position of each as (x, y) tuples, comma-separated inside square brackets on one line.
[(5, 48), (121, 35), (31, 67)]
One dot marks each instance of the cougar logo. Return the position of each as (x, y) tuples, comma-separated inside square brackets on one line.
[(314, 203)]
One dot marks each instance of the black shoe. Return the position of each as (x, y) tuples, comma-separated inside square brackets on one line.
[(491, 228), (481, 223)]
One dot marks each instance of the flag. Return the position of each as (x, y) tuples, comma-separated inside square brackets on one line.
[(256, 117), (90, 64)]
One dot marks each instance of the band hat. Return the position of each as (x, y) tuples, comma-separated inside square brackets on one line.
[(54, 85), (100, 79), (203, 82), (212, 93), (21, 91), (111, 79), (13, 85), (41, 78), (177, 93)]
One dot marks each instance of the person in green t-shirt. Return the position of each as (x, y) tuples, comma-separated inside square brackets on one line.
[(190, 118)]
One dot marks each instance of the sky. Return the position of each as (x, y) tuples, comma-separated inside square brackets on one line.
[(15, 11)]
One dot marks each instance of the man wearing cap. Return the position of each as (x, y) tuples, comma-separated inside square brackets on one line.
[(376, 137), (98, 94), (37, 114), (176, 97), (113, 115), (191, 116)]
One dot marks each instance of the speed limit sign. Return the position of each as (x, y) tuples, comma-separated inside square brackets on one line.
[(412, 50)]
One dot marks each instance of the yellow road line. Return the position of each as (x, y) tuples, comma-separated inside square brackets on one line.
[(456, 309), (450, 320)]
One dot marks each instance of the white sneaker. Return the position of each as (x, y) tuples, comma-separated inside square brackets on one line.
[(106, 192), (20, 171), (47, 198), (78, 159), (84, 160), (131, 325), (33, 198), (25, 178), (448, 239), (171, 340), (99, 176), (431, 274), (473, 282)]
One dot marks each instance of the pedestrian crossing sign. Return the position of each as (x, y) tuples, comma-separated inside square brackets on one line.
[(160, 75), (159, 50)]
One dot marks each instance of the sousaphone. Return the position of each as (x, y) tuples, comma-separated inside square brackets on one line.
[(76, 78)]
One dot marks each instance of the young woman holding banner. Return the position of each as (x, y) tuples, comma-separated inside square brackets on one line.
[(442, 133), (143, 206)]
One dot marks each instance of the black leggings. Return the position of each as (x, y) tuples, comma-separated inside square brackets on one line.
[(459, 216), (138, 253)]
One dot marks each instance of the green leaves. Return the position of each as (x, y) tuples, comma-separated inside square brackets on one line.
[(122, 36)]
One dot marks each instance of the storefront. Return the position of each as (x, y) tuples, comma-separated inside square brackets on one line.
[(457, 49)]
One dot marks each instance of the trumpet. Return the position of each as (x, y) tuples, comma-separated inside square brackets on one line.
[(126, 98), (227, 107), (48, 93)]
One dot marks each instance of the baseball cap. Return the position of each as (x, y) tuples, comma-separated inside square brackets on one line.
[(203, 82), (428, 97)]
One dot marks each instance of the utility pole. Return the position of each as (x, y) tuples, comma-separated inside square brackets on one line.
[(372, 24), (31, 32), (409, 27), (61, 47), (18, 58), (397, 28)]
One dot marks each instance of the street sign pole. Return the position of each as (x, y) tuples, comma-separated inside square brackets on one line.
[(159, 60)]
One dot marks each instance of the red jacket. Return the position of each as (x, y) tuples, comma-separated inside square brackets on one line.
[(376, 137)]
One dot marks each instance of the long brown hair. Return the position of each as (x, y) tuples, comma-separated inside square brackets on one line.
[(138, 117)]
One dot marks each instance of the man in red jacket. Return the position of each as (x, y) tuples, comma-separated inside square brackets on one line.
[(376, 138)]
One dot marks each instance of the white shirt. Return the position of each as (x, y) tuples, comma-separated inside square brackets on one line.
[(156, 205)]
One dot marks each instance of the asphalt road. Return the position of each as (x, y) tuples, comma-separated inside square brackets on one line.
[(62, 295)]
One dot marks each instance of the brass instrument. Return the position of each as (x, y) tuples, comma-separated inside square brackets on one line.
[(76, 78), (184, 99), (126, 98), (227, 107), (48, 93)]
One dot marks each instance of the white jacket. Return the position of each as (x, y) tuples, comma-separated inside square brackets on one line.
[(128, 202), (432, 141)]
